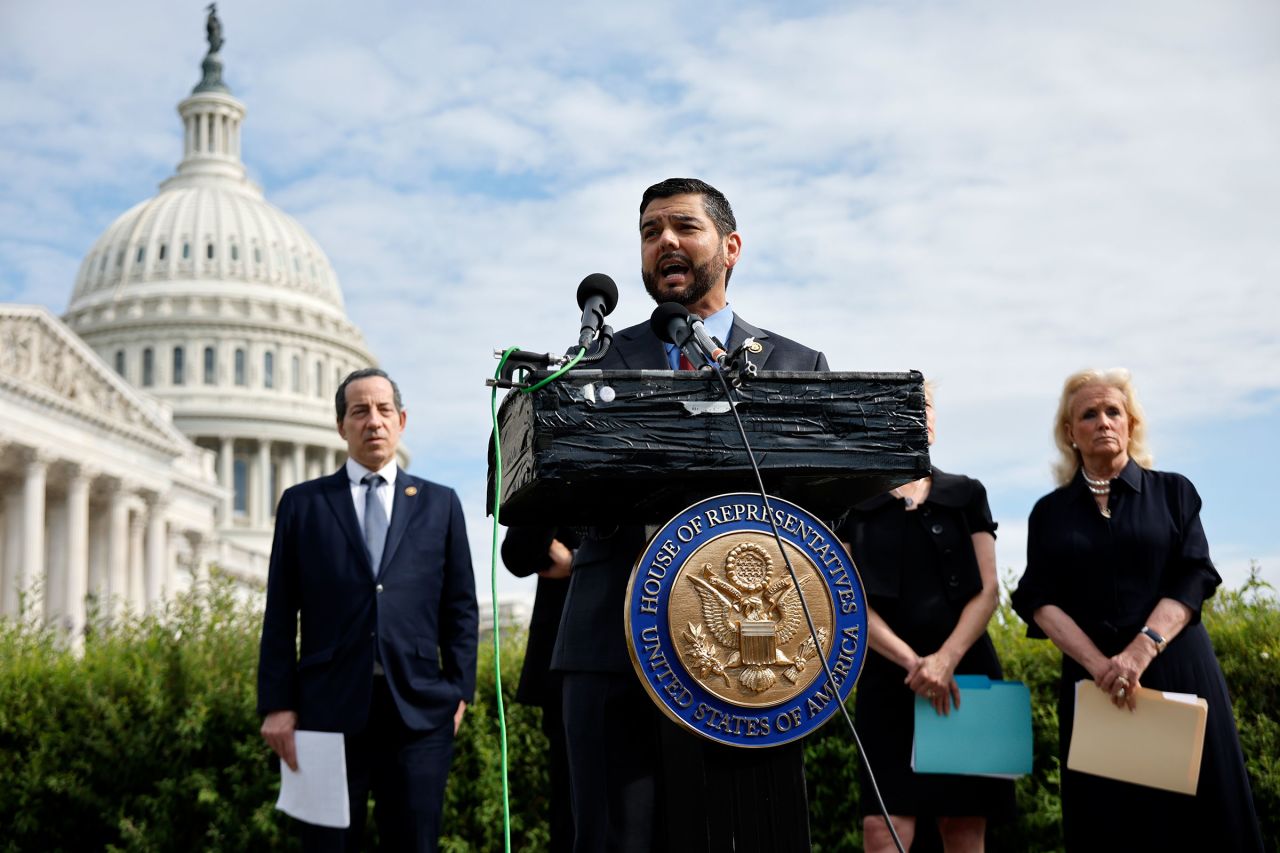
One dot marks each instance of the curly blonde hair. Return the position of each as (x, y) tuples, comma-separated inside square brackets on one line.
[(1117, 377)]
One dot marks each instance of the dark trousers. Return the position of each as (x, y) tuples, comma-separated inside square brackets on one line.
[(561, 817), (642, 783), (405, 770), (611, 728), (720, 797)]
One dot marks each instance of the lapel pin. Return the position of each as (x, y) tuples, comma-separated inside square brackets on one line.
[(755, 346), (410, 491)]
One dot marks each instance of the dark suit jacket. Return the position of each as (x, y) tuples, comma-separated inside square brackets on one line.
[(591, 630), (419, 610)]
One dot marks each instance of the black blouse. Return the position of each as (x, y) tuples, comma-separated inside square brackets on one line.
[(956, 508), (1108, 574)]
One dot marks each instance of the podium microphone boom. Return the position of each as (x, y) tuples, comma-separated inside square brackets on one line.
[(705, 342), (597, 297)]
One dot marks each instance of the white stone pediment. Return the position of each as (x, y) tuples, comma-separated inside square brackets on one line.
[(43, 359)]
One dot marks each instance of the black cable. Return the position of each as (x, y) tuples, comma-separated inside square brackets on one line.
[(804, 605)]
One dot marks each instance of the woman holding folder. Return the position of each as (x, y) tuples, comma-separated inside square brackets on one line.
[(926, 553), (1117, 570)]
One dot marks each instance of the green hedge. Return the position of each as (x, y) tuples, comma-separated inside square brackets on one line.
[(149, 740)]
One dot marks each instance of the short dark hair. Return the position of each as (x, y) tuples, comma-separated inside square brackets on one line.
[(340, 398), (713, 201)]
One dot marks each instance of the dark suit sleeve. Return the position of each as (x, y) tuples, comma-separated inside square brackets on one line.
[(278, 652), (459, 615), (525, 549)]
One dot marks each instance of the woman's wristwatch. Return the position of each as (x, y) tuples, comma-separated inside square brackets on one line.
[(1151, 635)]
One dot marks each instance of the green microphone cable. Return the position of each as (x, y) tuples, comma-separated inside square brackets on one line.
[(493, 587), (493, 574)]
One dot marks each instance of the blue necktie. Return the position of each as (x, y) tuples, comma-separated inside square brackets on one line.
[(375, 520)]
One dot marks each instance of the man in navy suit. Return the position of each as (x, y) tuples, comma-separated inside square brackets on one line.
[(638, 782), (375, 562)]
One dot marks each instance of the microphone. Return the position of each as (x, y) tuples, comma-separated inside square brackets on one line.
[(597, 297), (673, 324), (706, 343)]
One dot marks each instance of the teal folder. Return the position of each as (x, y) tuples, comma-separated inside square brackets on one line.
[(989, 735)]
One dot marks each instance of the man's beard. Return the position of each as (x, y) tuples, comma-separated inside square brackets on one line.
[(705, 277)]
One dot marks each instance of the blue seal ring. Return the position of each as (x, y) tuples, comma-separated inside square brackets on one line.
[(701, 693)]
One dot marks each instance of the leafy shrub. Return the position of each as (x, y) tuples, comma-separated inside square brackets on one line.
[(149, 740)]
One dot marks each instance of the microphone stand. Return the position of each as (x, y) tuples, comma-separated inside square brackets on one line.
[(738, 366), (529, 361), (522, 360), (602, 345)]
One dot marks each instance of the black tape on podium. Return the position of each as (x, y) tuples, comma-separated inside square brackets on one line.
[(637, 446)]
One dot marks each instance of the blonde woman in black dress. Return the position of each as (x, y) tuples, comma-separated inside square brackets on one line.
[(1117, 570)]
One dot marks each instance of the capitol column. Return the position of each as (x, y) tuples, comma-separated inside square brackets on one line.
[(12, 553), (198, 567), (299, 463), (262, 511), (158, 583), (226, 478), (31, 562), (137, 580), (76, 585), (117, 550)]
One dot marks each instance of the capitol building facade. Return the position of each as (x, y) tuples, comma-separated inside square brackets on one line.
[(149, 433)]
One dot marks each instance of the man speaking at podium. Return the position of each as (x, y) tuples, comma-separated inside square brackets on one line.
[(638, 782)]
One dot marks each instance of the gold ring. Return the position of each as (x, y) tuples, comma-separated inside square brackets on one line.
[(1121, 693), (1124, 682)]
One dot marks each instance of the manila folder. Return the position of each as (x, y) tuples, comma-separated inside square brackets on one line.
[(1158, 744)]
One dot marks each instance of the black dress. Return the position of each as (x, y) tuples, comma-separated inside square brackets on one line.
[(1108, 575), (920, 571)]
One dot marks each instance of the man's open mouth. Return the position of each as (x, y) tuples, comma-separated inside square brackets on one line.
[(670, 268)]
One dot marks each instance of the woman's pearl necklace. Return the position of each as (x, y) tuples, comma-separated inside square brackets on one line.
[(1098, 487)]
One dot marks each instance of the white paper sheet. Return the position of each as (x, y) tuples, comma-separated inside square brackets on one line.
[(1189, 698), (317, 791)]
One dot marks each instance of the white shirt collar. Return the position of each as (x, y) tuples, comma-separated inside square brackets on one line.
[(356, 472)]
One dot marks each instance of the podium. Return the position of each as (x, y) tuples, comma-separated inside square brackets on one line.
[(600, 447)]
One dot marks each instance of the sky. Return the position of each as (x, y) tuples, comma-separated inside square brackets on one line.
[(996, 194)]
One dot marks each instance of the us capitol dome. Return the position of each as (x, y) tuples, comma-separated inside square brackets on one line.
[(221, 306)]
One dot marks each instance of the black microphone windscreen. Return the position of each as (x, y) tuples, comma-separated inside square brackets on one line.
[(660, 320), (598, 284)]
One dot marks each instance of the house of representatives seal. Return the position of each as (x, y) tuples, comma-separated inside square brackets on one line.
[(716, 628)]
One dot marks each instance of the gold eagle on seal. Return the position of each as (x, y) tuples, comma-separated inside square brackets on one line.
[(751, 615)]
